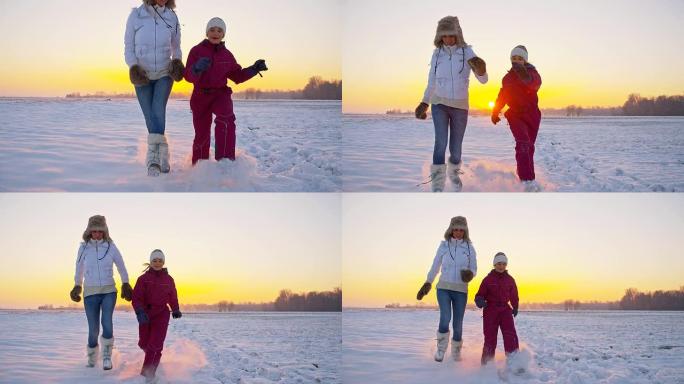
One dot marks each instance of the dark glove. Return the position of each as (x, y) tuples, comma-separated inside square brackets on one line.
[(142, 316), (466, 275), (521, 71), (478, 65), (201, 65), (495, 118), (75, 293), (480, 302), (423, 291), (515, 312), (421, 111), (260, 65), (126, 292), (176, 314), (138, 75), (176, 69)]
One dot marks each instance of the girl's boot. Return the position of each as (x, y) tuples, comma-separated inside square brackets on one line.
[(153, 160), (107, 346), (438, 177), (164, 155), (454, 172), (92, 355), (442, 344), (456, 349)]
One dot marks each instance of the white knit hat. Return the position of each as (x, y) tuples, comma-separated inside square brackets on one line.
[(500, 257), (521, 51), (216, 22), (157, 254)]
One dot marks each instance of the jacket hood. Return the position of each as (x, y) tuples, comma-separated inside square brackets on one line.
[(97, 223), (449, 26), (493, 272), (162, 271), (208, 44)]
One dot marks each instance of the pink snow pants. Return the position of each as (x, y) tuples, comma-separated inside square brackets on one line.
[(496, 317), (151, 341), (204, 103), (524, 127)]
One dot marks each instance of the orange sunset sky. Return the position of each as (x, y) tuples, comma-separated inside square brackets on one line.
[(590, 53), (56, 47)]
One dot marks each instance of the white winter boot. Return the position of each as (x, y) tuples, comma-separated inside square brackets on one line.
[(107, 346), (442, 344), (531, 186), (456, 349), (438, 177), (454, 172), (153, 160), (164, 155), (92, 355)]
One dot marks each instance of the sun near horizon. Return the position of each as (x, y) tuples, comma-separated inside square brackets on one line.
[(240, 247), (86, 54)]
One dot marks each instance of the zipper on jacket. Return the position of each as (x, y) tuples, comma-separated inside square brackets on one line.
[(155, 43), (451, 68), (97, 256)]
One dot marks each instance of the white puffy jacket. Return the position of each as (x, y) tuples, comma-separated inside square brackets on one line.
[(449, 77), (95, 260), (152, 41), (451, 258)]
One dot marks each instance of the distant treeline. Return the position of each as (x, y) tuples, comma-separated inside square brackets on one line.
[(315, 89), (634, 106), (653, 301), (657, 106), (632, 300), (327, 301)]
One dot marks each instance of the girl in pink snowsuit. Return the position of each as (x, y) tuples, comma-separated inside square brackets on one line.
[(210, 64), (154, 293), (519, 90), (496, 291)]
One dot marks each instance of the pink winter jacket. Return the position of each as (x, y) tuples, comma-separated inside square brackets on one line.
[(223, 67), (154, 291), (499, 289), (521, 96)]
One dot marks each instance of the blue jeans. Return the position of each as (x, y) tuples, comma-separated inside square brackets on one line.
[(153, 98), (451, 300), (93, 304), (450, 124)]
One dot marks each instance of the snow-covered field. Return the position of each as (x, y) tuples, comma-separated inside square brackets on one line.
[(96, 145), (589, 154), (396, 346), (49, 347)]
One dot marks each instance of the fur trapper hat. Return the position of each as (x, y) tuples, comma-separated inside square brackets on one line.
[(521, 51), (500, 257), (171, 4), (216, 22), (157, 254), (97, 223), (449, 26), (457, 222)]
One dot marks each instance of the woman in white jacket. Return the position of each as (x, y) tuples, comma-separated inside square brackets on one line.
[(447, 92), (95, 260), (457, 260), (154, 57)]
